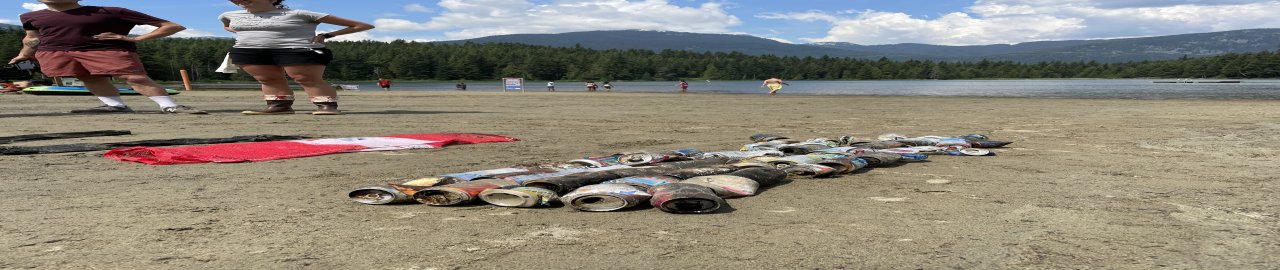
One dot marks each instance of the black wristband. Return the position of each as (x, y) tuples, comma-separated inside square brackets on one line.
[(326, 35)]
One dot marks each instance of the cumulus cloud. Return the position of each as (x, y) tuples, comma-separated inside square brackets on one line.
[(783, 40), (361, 36), (1015, 21), (34, 6), (417, 8), (366, 36), (802, 16), (189, 33), (1112, 4), (462, 19)]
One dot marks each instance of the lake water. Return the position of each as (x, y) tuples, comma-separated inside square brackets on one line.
[(1097, 89)]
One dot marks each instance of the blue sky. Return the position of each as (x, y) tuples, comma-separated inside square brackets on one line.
[(948, 22)]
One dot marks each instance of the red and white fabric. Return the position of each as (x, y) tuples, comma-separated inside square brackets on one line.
[(263, 151)]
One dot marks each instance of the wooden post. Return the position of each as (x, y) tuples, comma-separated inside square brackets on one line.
[(186, 81)]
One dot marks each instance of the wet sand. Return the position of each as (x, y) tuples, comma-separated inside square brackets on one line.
[(1088, 184)]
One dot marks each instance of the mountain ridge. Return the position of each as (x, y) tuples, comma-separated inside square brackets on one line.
[(661, 40), (1101, 50)]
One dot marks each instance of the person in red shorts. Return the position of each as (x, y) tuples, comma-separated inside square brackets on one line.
[(92, 44), (385, 84)]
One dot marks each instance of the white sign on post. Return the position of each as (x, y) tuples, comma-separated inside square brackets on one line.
[(512, 84), (72, 81)]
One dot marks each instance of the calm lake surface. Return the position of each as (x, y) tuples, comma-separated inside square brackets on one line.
[(1096, 89)]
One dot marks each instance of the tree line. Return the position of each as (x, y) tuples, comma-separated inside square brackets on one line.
[(401, 60)]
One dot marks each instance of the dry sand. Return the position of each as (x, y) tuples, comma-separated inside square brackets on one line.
[(1088, 184)]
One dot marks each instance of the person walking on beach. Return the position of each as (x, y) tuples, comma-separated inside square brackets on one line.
[(774, 84), (385, 84), (591, 86), (551, 86), (273, 41), (608, 87), (684, 86), (91, 44)]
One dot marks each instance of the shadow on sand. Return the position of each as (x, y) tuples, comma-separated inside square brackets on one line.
[(386, 112), (237, 112)]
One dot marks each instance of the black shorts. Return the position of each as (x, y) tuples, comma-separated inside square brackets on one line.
[(281, 57)]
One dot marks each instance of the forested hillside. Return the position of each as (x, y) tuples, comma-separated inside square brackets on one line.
[(668, 40), (1103, 50), (930, 51), (1157, 48), (433, 61)]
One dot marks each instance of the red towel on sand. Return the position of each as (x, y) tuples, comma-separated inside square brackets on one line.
[(262, 151)]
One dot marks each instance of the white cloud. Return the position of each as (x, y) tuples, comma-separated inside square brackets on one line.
[(189, 33), (366, 36), (417, 8), (802, 16), (34, 6), (461, 19), (1113, 4), (783, 40), (874, 27), (1015, 21), (361, 36), (402, 25), (8, 21)]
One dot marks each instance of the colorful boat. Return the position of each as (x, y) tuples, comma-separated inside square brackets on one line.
[(77, 91)]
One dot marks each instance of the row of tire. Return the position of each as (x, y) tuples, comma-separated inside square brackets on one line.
[(684, 181)]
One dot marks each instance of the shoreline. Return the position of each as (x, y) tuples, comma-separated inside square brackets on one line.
[(1090, 89), (299, 92), (1088, 183)]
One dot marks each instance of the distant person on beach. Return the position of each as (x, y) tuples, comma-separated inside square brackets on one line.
[(774, 84), (684, 86), (92, 44), (608, 87), (273, 40), (591, 86), (461, 86), (551, 86), (385, 84)]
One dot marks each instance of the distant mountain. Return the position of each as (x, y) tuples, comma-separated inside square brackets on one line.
[(9, 26), (943, 51), (1157, 48), (1105, 50), (664, 40)]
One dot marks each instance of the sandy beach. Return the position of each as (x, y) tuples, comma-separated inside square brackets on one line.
[(1117, 184)]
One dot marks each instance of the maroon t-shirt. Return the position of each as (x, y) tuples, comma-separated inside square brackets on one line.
[(73, 30)]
